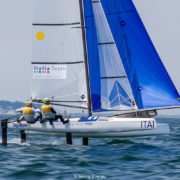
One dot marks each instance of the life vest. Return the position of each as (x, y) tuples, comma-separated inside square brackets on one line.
[(46, 112), (27, 113)]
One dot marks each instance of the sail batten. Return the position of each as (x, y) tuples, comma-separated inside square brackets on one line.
[(73, 62), (64, 24), (112, 77), (106, 43)]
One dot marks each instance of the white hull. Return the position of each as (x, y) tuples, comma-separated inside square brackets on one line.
[(97, 127)]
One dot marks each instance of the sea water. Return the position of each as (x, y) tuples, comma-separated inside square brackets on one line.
[(42, 157)]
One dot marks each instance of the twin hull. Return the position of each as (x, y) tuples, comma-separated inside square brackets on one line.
[(96, 127)]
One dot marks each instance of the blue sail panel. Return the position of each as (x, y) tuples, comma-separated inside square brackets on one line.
[(93, 56), (111, 68), (105, 65), (150, 82)]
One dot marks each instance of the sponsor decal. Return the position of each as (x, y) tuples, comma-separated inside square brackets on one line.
[(147, 124), (40, 35), (19, 125), (83, 96), (89, 124), (49, 71), (82, 124)]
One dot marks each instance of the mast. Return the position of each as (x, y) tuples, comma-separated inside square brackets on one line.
[(85, 57)]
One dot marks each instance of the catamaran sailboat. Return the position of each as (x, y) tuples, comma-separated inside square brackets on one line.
[(96, 56)]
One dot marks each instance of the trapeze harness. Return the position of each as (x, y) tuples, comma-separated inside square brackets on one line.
[(46, 112), (28, 114)]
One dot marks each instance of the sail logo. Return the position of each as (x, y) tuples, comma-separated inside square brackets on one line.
[(49, 71), (19, 125), (42, 69), (119, 96)]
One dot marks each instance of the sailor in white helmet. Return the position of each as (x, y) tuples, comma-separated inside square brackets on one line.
[(29, 114), (49, 113)]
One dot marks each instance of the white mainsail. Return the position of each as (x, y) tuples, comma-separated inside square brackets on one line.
[(58, 56)]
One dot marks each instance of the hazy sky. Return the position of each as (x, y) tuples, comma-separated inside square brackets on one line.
[(161, 18)]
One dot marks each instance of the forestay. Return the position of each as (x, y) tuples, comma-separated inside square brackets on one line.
[(58, 56)]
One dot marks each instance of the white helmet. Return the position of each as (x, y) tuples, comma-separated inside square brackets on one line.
[(29, 102), (45, 100)]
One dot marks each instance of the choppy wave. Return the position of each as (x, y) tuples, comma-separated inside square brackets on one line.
[(156, 157)]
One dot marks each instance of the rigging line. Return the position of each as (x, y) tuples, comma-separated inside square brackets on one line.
[(83, 27), (143, 110), (39, 100), (71, 101), (125, 110), (63, 105), (70, 106), (75, 62), (77, 94), (61, 24)]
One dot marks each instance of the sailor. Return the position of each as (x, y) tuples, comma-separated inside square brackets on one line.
[(49, 113), (29, 114)]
